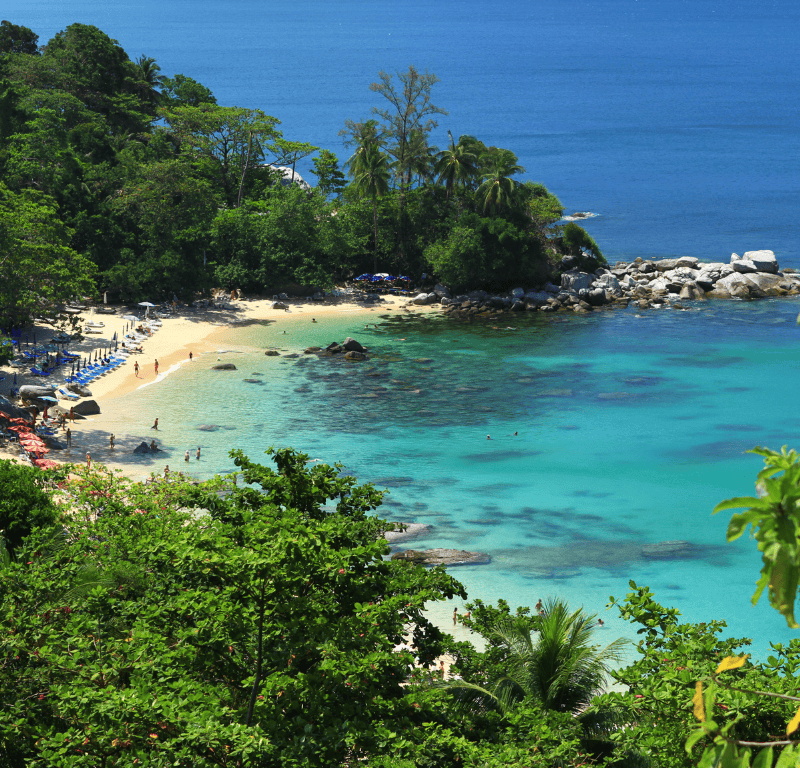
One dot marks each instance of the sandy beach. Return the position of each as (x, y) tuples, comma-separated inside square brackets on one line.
[(199, 332)]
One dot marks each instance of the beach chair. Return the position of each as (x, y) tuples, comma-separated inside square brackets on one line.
[(65, 394)]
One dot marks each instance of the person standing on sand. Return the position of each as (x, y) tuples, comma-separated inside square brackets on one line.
[(155, 425), (69, 437), (190, 357), (72, 415), (156, 367), (136, 368), (111, 442), (166, 471), (88, 460), (538, 606)]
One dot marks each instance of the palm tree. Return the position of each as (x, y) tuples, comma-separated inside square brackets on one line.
[(458, 163), (420, 157), (557, 665), (371, 175), (364, 136), (148, 71), (498, 190)]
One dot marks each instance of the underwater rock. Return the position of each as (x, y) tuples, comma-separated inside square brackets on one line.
[(450, 557), (667, 550), (223, 367)]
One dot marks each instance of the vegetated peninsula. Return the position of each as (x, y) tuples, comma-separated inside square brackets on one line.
[(117, 179)]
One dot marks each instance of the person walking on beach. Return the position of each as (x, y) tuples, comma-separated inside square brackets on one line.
[(455, 616), (155, 425), (166, 471), (190, 357), (111, 442), (197, 455), (136, 368), (156, 367), (72, 415)]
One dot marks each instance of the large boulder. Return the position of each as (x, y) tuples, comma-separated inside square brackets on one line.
[(425, 298), (79, 390), (87, 408), (355, 356), (351, 345), (575, 281), (764, 261), (735, 285), (442, 291), (538, 297), (34, 392), (223, 367), (766, 284), (692, 291), (7, 407), (442, 557), (609, 283)]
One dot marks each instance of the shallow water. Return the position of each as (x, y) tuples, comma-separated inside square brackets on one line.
[(631, 427)]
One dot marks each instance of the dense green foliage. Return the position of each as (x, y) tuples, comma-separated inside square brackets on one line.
[(258, 632), (258, 623), (142, 175), (25, 506)]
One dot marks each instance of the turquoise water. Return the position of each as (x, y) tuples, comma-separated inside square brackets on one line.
[(631, 427)]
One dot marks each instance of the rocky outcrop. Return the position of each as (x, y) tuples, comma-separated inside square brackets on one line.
[(87, 408), (223, 367), (450, 557), (411, 531), (650, 284), (33, 392), (79, 390), (351, 345)]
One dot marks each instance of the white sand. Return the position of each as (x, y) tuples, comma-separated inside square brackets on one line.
[(197, 332)]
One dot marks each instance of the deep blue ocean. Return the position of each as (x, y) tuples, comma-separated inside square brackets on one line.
[(677, 123)]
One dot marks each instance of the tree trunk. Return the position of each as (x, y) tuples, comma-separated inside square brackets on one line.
[(375, 223)]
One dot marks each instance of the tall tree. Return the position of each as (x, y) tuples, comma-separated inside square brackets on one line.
[(38, 269), (229, 141), (498, 190), (150, 80), (183, 91), (410, 111), (371, 178), (330, 179), (14, 38), (289, 152), (458, 163)]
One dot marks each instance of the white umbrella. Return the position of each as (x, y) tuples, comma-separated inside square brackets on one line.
[(148, 305)]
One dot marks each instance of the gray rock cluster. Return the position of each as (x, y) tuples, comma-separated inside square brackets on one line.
[(350, 349), (755, 275)]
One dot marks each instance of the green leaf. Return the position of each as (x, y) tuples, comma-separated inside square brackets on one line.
[(763, 759)]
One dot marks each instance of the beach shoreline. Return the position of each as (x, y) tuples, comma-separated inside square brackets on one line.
[(199, 333)]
